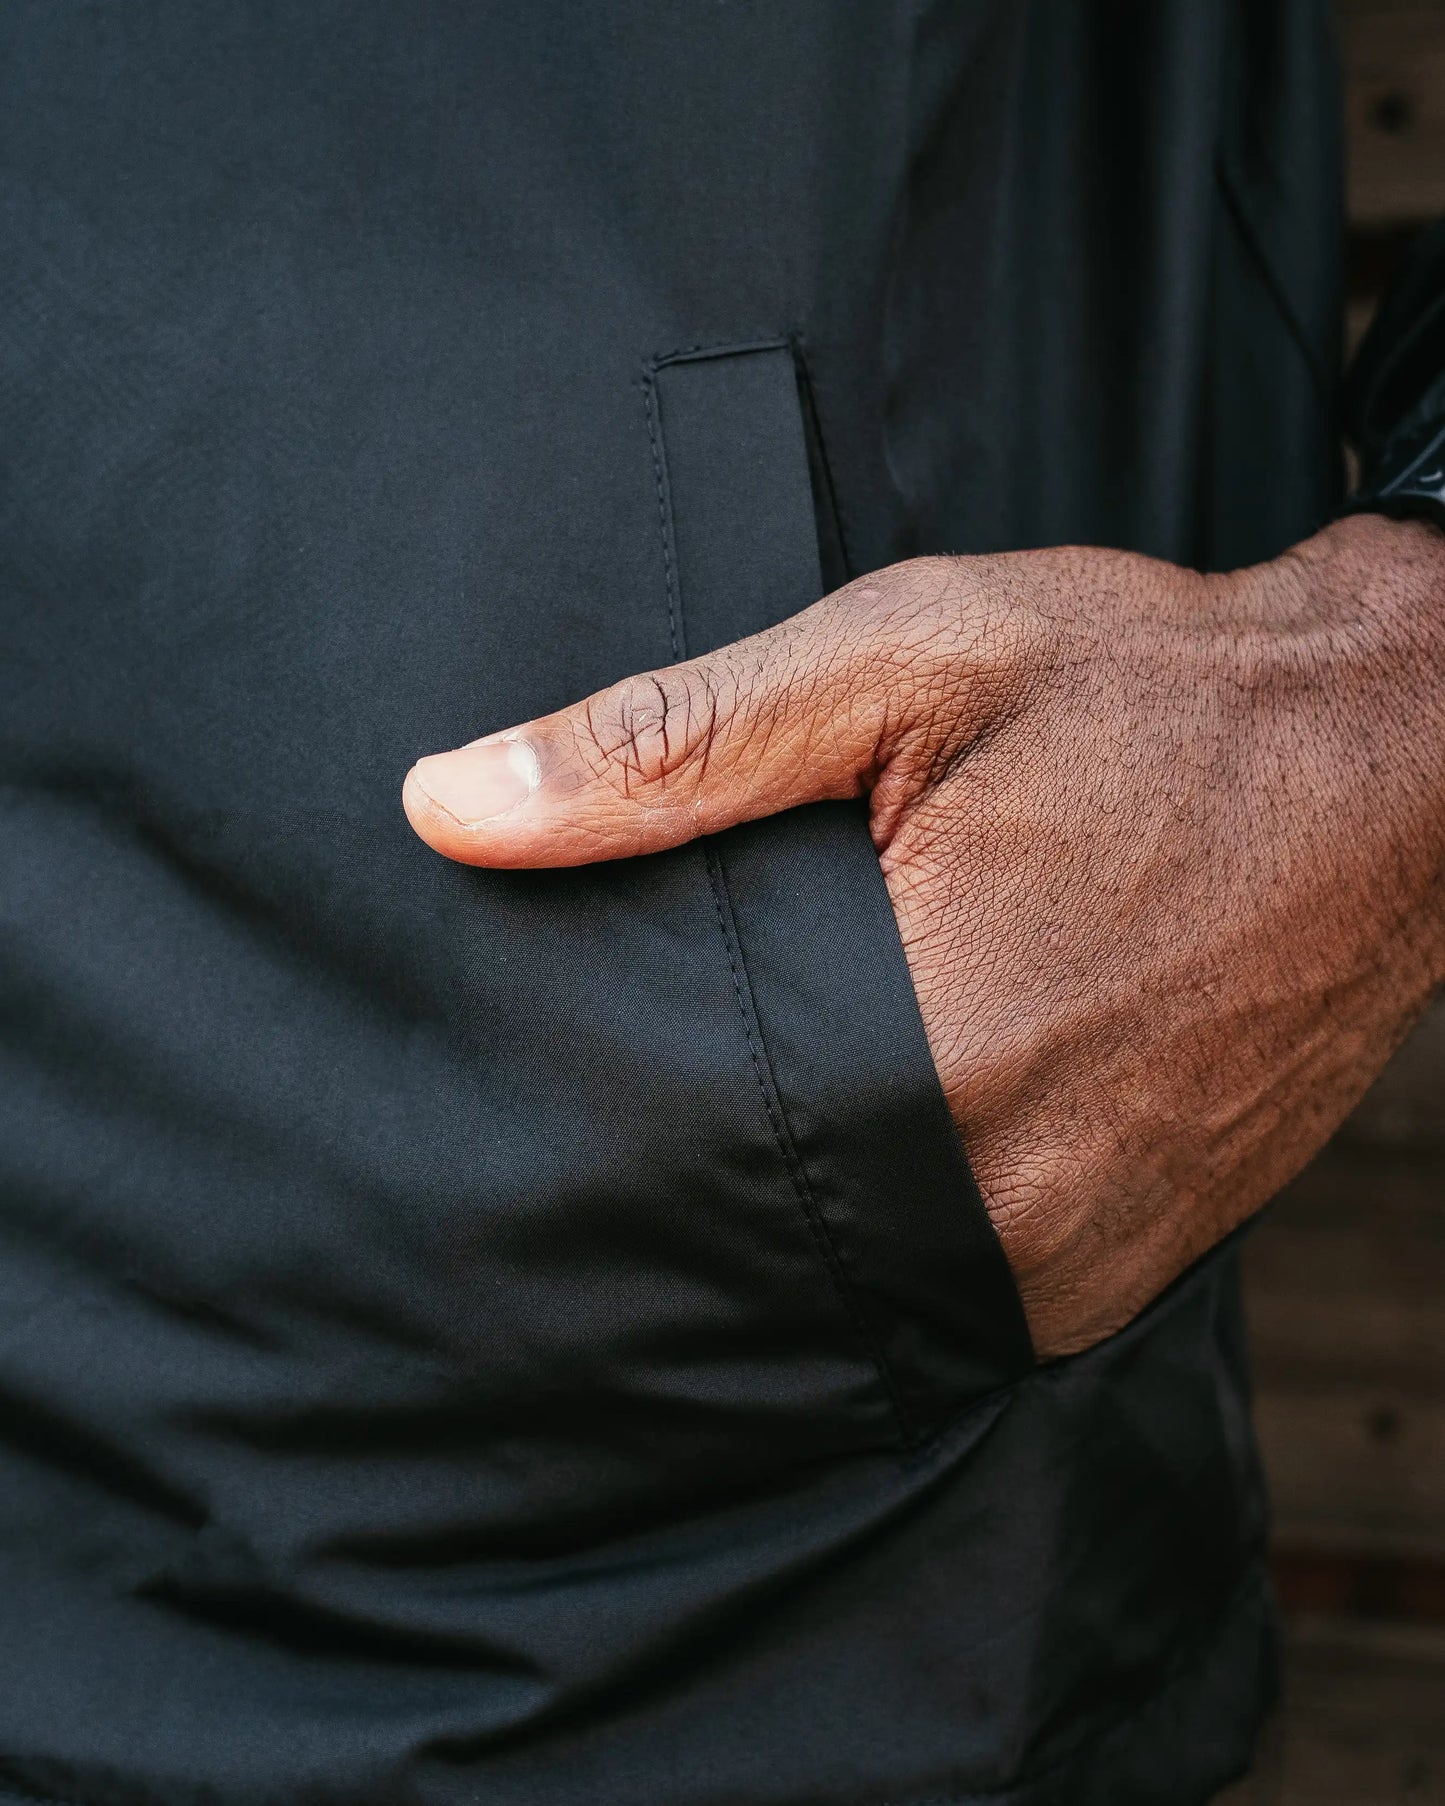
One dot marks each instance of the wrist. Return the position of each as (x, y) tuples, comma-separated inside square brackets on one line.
[(1386, 579), (1377, 595), (1383, 578)]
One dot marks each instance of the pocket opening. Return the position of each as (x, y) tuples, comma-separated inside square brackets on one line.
[(824, 990)]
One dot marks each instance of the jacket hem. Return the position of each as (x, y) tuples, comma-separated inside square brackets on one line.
[(1134, 1761)]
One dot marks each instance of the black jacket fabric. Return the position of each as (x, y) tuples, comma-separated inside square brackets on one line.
[(1395, 398), (532, 1339)]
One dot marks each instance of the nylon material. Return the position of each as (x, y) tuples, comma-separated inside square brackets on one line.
[(827, 1567), (419, 1379), (841, 1050), (1396, 393)]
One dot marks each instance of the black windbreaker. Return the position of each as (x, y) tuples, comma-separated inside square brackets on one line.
[(531, 1339)]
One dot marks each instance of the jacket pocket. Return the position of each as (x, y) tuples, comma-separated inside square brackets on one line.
[(822, 980)]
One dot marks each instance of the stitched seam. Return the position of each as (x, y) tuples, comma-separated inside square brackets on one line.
[(787, 1148), (664, 512), (732, 946), (701, 353)]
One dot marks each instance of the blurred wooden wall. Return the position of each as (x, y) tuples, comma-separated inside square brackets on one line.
[(1346, 1279)]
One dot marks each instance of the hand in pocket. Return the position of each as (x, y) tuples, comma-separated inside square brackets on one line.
[(1163, 850)]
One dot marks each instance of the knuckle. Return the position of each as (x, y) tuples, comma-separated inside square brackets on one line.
[(923, 615), (920, 625), (649, 731)]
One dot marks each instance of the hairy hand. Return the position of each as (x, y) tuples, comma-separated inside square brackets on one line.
[(1165, 852)]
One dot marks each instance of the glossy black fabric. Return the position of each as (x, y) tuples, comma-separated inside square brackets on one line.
[(521, 1338), (1395, 399), (1396, 393)]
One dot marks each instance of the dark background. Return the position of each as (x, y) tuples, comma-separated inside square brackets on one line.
[(1346, 1277)]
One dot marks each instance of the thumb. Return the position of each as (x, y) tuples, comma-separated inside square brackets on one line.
[(792, 715)]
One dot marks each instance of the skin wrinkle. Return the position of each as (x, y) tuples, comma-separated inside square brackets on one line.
[(1165, 852)]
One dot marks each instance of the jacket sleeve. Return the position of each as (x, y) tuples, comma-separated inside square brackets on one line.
[(1395, 391)]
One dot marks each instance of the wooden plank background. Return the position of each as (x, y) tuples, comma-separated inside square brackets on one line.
[(1346, 1276), (1394, 58)]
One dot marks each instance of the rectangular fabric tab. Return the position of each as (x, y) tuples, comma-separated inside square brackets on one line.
[(735, 470)]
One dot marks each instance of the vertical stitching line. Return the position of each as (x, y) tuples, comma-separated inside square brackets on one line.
[(737, 965), (792, 1161), (664, 512)]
